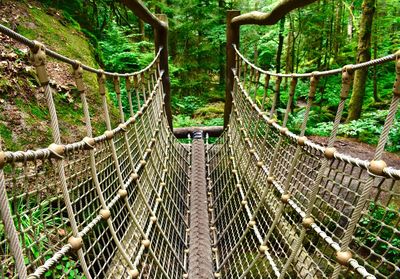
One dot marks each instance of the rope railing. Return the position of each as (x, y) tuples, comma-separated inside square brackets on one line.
[(35, 45), (127, 203), (111, 205), (311, 212), (354, 67)]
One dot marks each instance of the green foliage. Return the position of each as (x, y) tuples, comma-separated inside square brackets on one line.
[(7, 137), (55, 32), (186, 105), (377, 231), (33, 219), (367, 129), (214, 122), (184, 121), (120, 53)]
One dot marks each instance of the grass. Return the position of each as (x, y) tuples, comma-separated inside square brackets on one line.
[(36, 111), (7, 137)]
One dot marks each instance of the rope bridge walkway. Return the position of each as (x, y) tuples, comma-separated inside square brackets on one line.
[(260, 202)]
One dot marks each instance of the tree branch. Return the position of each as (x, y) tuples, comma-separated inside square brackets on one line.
[(144, 14), (270, 18)]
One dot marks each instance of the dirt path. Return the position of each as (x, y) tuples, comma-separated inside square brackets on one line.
[(358, 149)]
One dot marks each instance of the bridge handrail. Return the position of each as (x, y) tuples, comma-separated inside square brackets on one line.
[(33, 44), (370, 63), (43, 153)]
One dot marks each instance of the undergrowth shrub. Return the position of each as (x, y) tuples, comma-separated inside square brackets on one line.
[(377, 231), (366, 129)]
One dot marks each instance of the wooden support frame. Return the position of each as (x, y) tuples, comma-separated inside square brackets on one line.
[(233, 22), (212, 131), (160, 25), (232, 38)]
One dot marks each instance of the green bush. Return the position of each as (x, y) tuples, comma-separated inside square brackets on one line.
[(367, 129), (377, 230), (186, 105)]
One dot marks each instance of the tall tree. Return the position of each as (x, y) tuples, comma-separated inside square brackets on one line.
[(221, 6), (363, 55), (279, 54)]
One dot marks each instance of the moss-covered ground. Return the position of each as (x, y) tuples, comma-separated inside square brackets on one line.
[(24, 120)]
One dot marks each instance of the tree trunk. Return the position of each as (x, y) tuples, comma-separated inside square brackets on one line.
[(279, 54), (255, 54), (280, 45), (363, 55), (375, 75), (221, 6), (289, 51), (375, 43), (350, 22), (338, 29), (141, 30)]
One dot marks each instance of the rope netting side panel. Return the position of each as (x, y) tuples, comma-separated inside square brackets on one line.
[(109, 206), (286, 207)]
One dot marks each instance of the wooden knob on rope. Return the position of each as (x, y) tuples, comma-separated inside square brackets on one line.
[(146, 243), (252, 223), (377, 167), (135, 176), (132, 119), (123, 193), (285, 198), (343, 257), (2, 159), (307, 222), (89, 142), (109, 134), (396, 87), (101, 79), (105, 214), (78, 76), (302, 140), (57, 150), (263, 248), (329, 152), (37, 57), (75, 242), (283, 130), (134, 273), (123, 127)]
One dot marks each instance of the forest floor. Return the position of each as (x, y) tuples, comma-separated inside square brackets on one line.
[(358, 149)]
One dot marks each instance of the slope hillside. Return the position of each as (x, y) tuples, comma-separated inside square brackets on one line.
[(24, 118)]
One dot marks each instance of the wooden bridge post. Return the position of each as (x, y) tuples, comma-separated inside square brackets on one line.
[(160, 24), (161, 40), (232, 37)]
